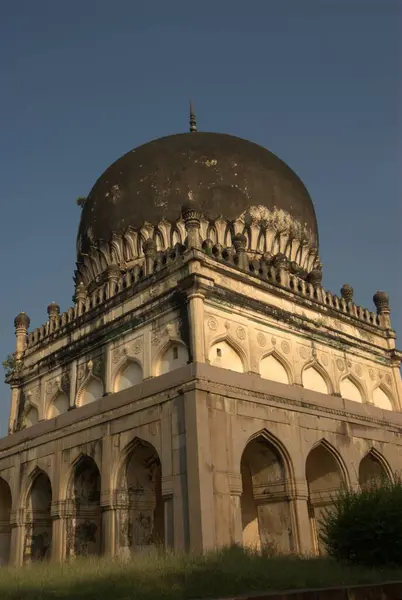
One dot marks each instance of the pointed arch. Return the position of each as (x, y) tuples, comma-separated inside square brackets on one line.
[(38, 519), (266, 472), (235, 355), (159, 240), (326, 474), (5, 521), (383, 397), (90, 390), (173, 355), (348, 392), (285, 376), (128, 374), (374, 469), (58, 405), (138, 484), (31, 416), (279, 447), (311, 382), (212, 234), (84, 523)]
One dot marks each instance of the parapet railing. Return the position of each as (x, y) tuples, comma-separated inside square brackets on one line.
[(275, 270)]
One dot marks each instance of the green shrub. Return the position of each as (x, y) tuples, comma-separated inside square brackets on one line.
[(365, 527)]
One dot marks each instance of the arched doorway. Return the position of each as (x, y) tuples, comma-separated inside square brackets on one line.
[(84, 526), (38, 522), (265, 507), (5, 525), (324, 480), (371, 472), (141, 513)]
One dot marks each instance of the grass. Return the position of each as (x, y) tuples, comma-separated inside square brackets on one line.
[(172, 577)]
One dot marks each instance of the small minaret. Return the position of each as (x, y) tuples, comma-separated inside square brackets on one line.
[(21, 324), (193, 121)]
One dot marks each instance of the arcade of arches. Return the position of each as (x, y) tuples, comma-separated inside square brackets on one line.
[(268, 509)]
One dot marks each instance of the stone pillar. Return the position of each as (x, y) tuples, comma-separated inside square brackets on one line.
[(192, 221), (53, 310), (236, 525), (58, 536), (113, 274), (15, 395), (302, 525), (201, 506), (239, 243), (149, 247), (195, 300), (108, 370), (17, 538), (168, 509), (21, 324), (108, 531), (80, 298)]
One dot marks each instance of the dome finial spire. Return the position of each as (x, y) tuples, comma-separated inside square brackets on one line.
[(193, 122)]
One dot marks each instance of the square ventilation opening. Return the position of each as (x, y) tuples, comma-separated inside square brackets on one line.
[(219, 352)]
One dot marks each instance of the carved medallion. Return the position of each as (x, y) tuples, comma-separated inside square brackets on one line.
[(241, 333), (304, 352), (372, 374), (261, 340), (137, 346), (273, 340), (340, 364), (285, 347), (388, 379), (49, 387), (212, 324), (116, 356), (349, 363), (359, 370), (324, 360), (380, 374)]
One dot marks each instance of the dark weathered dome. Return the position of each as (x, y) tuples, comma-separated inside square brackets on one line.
[(224, 174)]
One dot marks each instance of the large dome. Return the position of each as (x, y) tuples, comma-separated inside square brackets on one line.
[(238, 186), (224, 174)]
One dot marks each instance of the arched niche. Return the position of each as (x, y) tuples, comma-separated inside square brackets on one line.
[(59, 405), (350, 391), (128, 375), (372, 471), (266, 518), (313, 379), (38, 520), (5, 525), (273, 369), (324, 479), (172, 358), (382, 399), (92, 391), (31, 416), (222, 354), (141, 511), (84, 526)]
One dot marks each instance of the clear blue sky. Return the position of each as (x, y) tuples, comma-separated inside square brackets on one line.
[(82, 82)]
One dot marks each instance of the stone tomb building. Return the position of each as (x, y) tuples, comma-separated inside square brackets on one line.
[(204, 389)]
